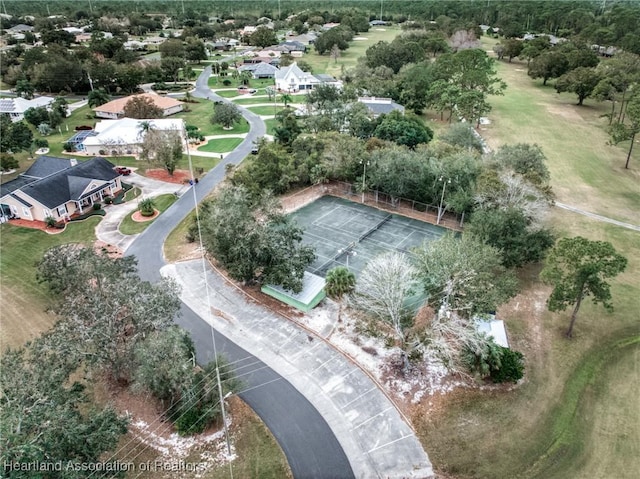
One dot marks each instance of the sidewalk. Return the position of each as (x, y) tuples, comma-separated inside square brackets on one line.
[(107, 230), (373, 434)]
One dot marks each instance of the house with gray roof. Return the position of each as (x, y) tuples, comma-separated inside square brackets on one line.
[(15, 107), (293, 79), (59, 188), (380, 106), (259, 70)]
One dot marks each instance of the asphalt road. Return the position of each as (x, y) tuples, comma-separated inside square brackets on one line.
[(310, 446)]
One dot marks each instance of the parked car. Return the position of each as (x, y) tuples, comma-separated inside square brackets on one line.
[(123, 170)]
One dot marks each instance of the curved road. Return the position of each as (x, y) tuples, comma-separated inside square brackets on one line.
[(307, 441)]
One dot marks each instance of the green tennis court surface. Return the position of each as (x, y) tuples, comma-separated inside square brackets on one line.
[(350, 234)]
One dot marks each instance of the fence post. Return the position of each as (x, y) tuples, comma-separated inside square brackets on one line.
[(462, 219)]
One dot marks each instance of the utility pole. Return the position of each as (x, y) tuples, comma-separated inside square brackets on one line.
[(381, 2)]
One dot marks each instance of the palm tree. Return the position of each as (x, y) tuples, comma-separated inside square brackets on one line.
[(286, 98), (98, 97), (339, 281)]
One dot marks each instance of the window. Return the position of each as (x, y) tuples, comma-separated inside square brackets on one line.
[(62, 210), (26, 212), (46, 213), (14, 210)]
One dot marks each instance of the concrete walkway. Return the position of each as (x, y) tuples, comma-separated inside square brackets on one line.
[(375, 437), (107, 230), (596, 217)]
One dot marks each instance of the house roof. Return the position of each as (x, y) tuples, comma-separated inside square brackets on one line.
[(494, 328), (127, 131), (381, 106), (21, 200), (15, 184), (295, 74), (21, 27), (47, 165), (262, 68), (117, 106), (71, 183), (20, 105)]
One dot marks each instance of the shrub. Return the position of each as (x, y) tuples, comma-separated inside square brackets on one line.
[(96, 206), (108, 200), (69, 147), (147, 207), (41, 143), (50, 221), (226, 82), (511, 368), (102, 152)]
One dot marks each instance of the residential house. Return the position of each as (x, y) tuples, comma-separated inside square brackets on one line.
[(20, 28), (293, 48), (125, 136), (16, 107), (293, 79), (380, 106), (306, 38), (378, 23), (115, 108), (259, 70), (59, 188)]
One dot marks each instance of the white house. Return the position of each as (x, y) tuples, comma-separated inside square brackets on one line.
[(16, 107), (293, 79), (125, 136)]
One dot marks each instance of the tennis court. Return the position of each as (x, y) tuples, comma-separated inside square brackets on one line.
[(350, 234)]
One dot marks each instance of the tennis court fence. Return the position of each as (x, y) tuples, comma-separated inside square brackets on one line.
[(411, 208)]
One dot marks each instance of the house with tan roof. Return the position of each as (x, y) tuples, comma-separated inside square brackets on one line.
[(114, 110)]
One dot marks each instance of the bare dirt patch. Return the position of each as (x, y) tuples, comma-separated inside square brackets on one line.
[(108, 249), (178, 177), (566, 112)]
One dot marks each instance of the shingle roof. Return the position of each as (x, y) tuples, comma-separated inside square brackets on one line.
[(21, 200), (381, 106), (70, 183), (117, 106), (47, 165), (15, 184)]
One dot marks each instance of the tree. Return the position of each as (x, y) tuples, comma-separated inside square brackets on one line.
[(225, 114), (168, 150), (628, 131), (105, 308), (172, 48), (37, 115), (142, 107), (253, 240), (464, 275), (581, 81), (463, 40), (171, 67), (550, 64), (464, 136), (288, 128), (25, 89), (14, 137), (98, 97), (510, 232), (526, 159), (8, 162), (578, 268), (403, 129), (263, 37), (339, 281), (49, 419), (195, 50), (336, 36), (512, 48), (385, 285), (334, 54)]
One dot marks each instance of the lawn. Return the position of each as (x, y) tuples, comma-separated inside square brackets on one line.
[(265, 110), (221, 145), (23, 299), (130, 227), (576, 413), (271, 125), (349, 57)]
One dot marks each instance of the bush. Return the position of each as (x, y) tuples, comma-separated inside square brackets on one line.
[(226, 82), (69, 147), (50, 221), (96, 206), (41, 143), (147, 207), (511, 368), (108, 200), (102, 152)]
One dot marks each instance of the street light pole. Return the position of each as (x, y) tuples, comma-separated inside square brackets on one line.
[(444, 187), (364, 177)]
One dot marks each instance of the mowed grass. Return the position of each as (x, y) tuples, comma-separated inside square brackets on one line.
[(221, 145), (576, 415), (266, 110), (586, 171), (200, 115), (24, 300), (130, 227), (349, 57)]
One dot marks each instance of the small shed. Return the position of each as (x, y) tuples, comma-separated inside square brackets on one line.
[(307, 299), (494, 328)]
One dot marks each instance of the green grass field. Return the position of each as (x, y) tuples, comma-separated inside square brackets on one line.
[(349, 57), (130, 227), (576, 414), (271, 125), (200, 116), (221, 145), (23, 299), (265, 110)]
